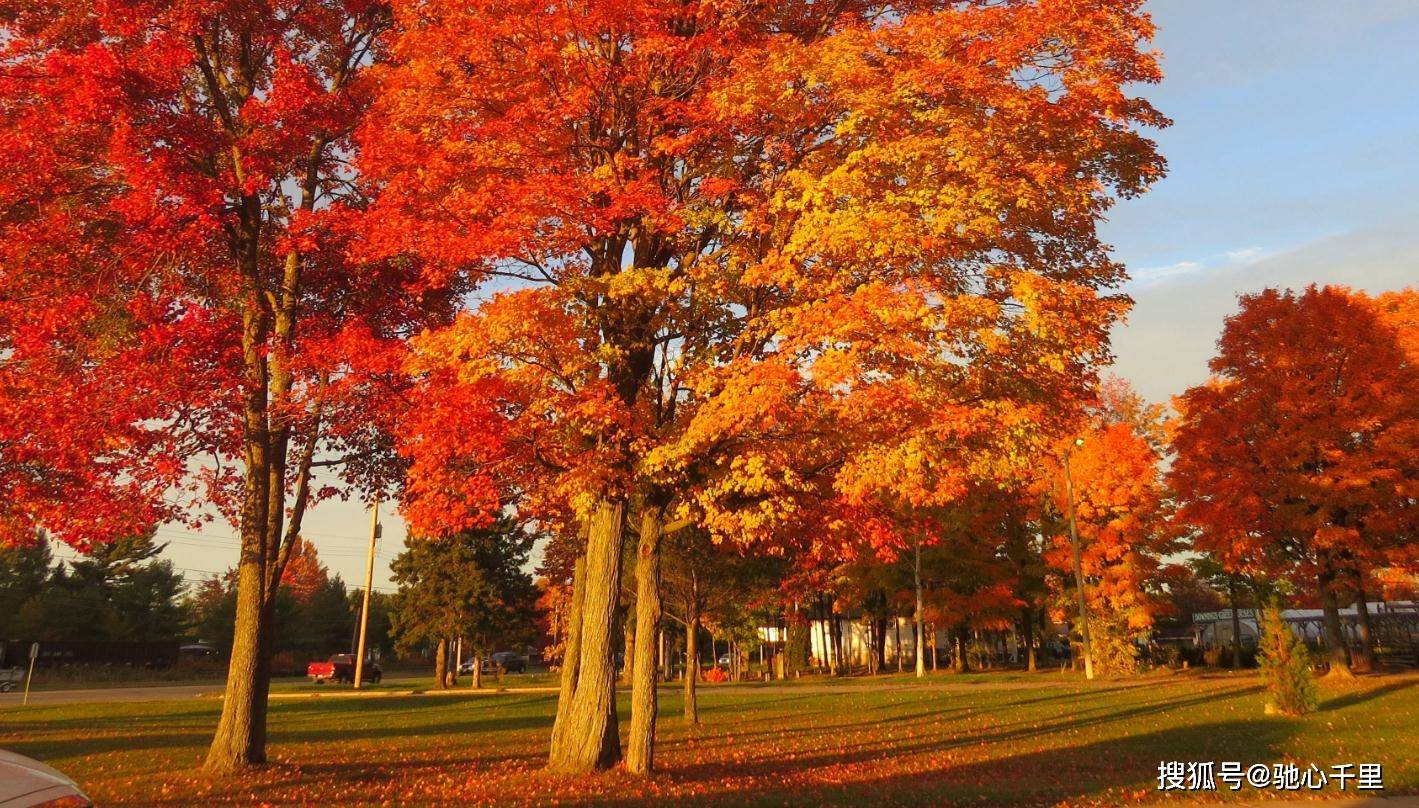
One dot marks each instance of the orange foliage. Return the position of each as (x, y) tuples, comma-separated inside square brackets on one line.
[(1297, 457)]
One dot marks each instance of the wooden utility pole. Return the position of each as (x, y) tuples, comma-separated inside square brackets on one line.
[(365, 608), (1078, 567)]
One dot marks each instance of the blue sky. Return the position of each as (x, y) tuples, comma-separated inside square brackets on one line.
[(1293, 159)]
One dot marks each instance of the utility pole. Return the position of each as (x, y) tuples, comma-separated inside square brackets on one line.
[(1078, 566), (365, 608)]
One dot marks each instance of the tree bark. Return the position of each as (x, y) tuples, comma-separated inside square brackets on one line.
[(591, 740), (1366, 660), (1335, 646), (477, 668), (692, 651), (233, 746), (640, 749), (960, 664), (441, 664)]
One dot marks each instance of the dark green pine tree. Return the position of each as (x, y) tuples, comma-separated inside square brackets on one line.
[(471, 585)]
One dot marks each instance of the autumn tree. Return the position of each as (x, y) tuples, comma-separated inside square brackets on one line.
[(1297, 458), (1114, 478), (181, 327), (733, 241)]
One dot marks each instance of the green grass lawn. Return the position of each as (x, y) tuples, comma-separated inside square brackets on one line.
[(1006, 740)]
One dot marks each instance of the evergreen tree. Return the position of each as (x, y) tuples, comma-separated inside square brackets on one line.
[(1286, 665), (470, 585)]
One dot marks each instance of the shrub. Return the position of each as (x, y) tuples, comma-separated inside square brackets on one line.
[(1115, 653), (716, 674), (1286, 664)]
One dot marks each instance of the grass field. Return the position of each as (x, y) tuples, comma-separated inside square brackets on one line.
[(980, 740)]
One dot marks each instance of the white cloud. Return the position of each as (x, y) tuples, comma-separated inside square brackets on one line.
[(1177, 317)]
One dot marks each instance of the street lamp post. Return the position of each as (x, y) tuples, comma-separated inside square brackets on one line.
[(1078, 565)]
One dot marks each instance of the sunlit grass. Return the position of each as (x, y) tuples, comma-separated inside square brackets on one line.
[(947, 743)]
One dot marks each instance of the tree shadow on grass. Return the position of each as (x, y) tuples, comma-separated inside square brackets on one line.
[(1113, 770), (876, 748), (1362, 696)]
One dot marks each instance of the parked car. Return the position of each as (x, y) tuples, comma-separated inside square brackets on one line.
[(341, 668), (724, 660), (510, 661), (26, 783), (505, 661)]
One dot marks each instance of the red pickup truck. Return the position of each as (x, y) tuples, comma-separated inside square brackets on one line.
[(341, 668)]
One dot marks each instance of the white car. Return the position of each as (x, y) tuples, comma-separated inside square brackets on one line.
[(26, 783)]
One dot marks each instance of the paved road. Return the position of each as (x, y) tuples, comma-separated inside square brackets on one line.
[(109, 694)]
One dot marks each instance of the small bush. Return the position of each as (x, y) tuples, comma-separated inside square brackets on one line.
[(716, 674), (1212, 656), (1286, 664), (1115, 653)]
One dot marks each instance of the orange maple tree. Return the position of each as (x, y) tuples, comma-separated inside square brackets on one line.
[(1297, 458), (182, 329), (745, 260)]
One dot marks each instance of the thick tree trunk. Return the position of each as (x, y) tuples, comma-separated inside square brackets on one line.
[(441, 664), (477, 668), (640, 749), (234, 745), (1027, 626), (692, 652), (1366, 655), (1335, 646), (961, 665), (591, 740)]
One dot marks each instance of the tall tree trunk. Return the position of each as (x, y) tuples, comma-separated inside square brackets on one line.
[(934, 654), (591, 740), (232, 747), (961, 664), (477, 669), (441, 664), (1335, 646), (1366, 660), (692, 650), (1027, 626), (897, 638), (640, 749)]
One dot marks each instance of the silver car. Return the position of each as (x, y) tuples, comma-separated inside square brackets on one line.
[(26, 783)]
